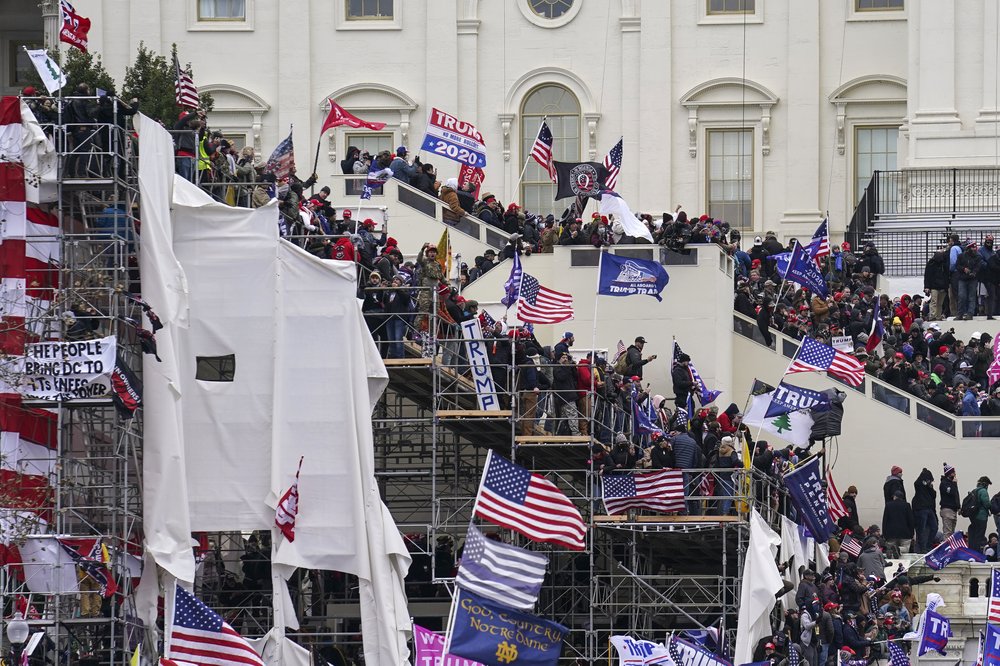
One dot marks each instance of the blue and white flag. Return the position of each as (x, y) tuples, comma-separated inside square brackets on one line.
[(788, 398), (991, 646), (644, 425), (512, 287), (802, 269), (952, 549), (366, 193), (805, 487), (705, 395), (937, 631), (491, 634), (639, 652), (897, 655), (624, 276), (376, 176), (508, 575)]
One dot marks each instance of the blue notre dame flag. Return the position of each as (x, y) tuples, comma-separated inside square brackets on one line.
[(493, 634), (624, 276)]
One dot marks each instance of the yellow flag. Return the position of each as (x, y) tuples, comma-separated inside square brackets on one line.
[(134, 661), (444, 253), (743, 506)]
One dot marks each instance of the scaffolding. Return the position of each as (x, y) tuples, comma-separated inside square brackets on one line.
[(640, 574)]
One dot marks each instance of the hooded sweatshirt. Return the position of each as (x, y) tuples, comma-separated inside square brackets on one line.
[(893, 482), (924, 495)]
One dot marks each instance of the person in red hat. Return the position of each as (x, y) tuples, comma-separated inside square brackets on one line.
[(894, 483)]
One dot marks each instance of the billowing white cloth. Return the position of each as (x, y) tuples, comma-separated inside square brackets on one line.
[(613, 204), (39, 158), (48, 567), (299, 342), (797, 548), (760, 581)]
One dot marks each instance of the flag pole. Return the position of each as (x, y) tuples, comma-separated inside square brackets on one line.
[(593, 352), (517, 186)]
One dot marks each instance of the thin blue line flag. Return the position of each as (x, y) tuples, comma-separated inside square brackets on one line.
[(625, 276), (492, 634)]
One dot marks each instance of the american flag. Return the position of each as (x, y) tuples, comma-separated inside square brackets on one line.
[(662, 490), (508, 575), (993, 610), (487, 320), (834, 501), (794, 658), (529, 504), (814, 356), (613, 163), (850, 545), (281, 160), (541, 150), (288, 507), (897, 655), (184, 88), (541, 305), (200, 636), (621, 349), (819, 246)]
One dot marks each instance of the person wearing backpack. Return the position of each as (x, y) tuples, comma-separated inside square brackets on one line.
[(977, 521), (634, 360), (995, 509)]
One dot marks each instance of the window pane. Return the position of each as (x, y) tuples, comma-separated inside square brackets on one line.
[(875, 150), (562, 110), (731, 6), (730, 176), (369, 9)]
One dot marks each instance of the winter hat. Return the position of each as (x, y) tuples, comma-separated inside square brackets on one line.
[(347, 214), (948, 469), (401, 150), (896, 469), (942, 350)]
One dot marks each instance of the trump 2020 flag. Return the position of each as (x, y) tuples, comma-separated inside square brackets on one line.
[(805, 487), (991, 646), (491, 634), (802, 269), (788, 398), (937, 631), (624, 276)]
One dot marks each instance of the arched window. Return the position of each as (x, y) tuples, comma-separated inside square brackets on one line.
[(561, 110)]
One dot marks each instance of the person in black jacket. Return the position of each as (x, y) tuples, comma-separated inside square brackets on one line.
[(923, 504), (966, 269), (951, 500), (466, 197), (850, 521), (893, 484), (662, 456), (897, 522), (764, 320), (680, 374), (565, 394), (634, 360), (347, 164)]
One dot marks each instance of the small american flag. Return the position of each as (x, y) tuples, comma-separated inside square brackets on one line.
[(662, 490), (541, 150), (541, 305), (897, 655), (282, 159), (288, 507), (819, 246), (613, 163), (993, 610), (834, 501), (184, 88), (814, 356), (200, 636), (850, 545), (621, 349), (531, 505)]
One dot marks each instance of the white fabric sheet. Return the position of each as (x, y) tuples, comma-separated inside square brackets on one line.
[(760, 581)]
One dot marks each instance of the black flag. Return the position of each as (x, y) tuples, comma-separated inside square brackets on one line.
[(127, 389), (579, 179)]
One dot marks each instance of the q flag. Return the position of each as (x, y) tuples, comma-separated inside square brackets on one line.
[(787, 398), (802, 269), (624, 276), (493, 634), (937, 631), (805, 487), (579, 179)]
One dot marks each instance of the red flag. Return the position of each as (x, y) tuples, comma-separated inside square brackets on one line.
[(288, 508), (470, 174), (340, 116), (74, 27)]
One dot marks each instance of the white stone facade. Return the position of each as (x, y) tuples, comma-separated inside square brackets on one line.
[(664, 75)]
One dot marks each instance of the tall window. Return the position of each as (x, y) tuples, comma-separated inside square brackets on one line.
[(730, 176), (370, 141), (369, 9), (874, 150), (731, 6), (561, 111), (877, 5), (222, 10)]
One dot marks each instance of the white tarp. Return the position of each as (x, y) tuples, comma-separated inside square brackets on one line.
[(48, 567), (306, 377), (798, 548), (760, 581)]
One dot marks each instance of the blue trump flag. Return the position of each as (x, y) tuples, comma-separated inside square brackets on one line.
[(788, 398), (952, 549), (624, 276), (991, 646), (802, 269), (512, 287), (937, 631), (493, 634), (643, 418), (808, 494)]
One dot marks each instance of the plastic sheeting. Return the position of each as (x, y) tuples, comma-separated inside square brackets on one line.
[(306, 376)]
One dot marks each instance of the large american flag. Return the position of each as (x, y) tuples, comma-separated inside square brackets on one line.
[(613, 163), (897, 655), (508, 575), (541, 150), (814, 356), (281, 160), (993, 610), (834, 502), (184, 88), (541, 305), (662, 490), (529, 504), (200, 636)]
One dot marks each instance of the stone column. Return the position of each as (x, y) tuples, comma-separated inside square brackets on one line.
[(630, 24), (294, 64), (932, 60), (50, 23)]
